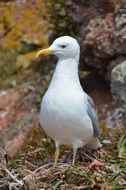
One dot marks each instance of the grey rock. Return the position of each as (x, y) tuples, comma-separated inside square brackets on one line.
[(116, 118), (118, 83)]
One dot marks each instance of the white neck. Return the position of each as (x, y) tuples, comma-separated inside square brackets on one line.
[(66, 73)]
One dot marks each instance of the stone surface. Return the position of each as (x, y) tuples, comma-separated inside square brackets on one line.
[(116, 118), (102, 26), (22, 26), (118, 83), (18, 119), (102, 36)]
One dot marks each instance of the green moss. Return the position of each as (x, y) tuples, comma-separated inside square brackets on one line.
[(60, 23)]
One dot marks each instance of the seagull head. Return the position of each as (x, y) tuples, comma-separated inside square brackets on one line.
[(64, 47)]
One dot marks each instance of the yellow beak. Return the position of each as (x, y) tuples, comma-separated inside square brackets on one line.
[(46, 51)]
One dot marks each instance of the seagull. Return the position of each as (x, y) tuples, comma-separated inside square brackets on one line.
[(68, 114)]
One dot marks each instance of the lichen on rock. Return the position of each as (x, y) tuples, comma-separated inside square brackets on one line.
[(22, 22), (118, 83), (23, 30)]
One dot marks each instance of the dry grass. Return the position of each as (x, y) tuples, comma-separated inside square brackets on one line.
[(34, 170)]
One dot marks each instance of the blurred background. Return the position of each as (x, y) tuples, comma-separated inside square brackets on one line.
[(25, 27)]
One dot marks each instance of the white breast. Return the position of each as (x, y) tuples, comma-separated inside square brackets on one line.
[(64, 117)]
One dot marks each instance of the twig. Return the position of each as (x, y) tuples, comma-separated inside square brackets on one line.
[(89, 157), (83, 187), (42, 167), (57, 184), (35, 171), (20, 183)]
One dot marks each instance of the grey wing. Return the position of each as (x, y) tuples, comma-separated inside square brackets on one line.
[(93, 116)]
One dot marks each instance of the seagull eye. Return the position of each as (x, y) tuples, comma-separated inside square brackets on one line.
[(63, 46)]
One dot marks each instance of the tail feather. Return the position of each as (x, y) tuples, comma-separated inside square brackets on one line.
[(94, 143)]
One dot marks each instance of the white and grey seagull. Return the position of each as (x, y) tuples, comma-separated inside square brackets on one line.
[(67, 113)]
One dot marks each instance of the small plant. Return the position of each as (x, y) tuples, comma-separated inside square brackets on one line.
[(121, 146)]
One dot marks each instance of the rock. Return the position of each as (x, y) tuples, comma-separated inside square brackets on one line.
[(8, 110), (22, 24), (25, 60), (116, 118), (102, 36), (102, 27), (18, 119), (118, 83)]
